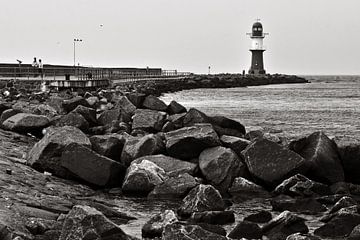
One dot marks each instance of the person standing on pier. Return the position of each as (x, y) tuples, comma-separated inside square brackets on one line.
[(35, 66), (41, 68)]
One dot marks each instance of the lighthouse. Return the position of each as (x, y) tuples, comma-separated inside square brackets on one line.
[(257, 49)]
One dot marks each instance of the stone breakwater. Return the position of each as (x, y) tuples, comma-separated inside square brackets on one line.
[(207, 81), (90, 148)]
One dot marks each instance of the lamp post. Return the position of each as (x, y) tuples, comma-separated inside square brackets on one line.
[(76, 40)]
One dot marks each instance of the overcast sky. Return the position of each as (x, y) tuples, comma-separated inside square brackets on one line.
[(306, 36)]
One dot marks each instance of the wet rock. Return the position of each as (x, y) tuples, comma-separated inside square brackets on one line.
[(155, 226), (171, 166), (343, 203), (175, 108), (72, 103), (148, 120), (300, 236), (88, 113), (190, 232), (126, 105), (201, 198), (235, 143), (300, 185), (220, 166), (189, 142), (284, 225), (25, 122), (107, 117), (46, 154), (141, 178), (322, 157), (213, 217), (92, 167), (194, 116), (71, 119), (242, 186), (174, 187), (246, 230), (154, 103), (137, 147), (271, 163), (84, 222), (7, 114), (350, 155), (301, 205), (340, 224), (109, 145), (260, 217), (136, 98)]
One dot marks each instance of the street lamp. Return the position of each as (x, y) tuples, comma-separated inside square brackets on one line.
[(76, 40)]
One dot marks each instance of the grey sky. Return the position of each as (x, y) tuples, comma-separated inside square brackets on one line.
[(306, 36)]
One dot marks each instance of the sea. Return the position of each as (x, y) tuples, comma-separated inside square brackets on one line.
[(289, 111)]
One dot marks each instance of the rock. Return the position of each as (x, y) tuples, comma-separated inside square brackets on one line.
[(45, 154), (91, 167), (213, 217), (126, 105), (271, 163), (260, 217), (98, 130), (300, 185), (228, 123), (71, 104), (300, 236), (189, 232), (88, 113), (109, 145), (188, 142), (350, 158), (322, 157), (301, 205), (168, 127), (84, 222), (136, 98), (71, 119), (154, 103), (343, 203), (137, 147), (124, 127), (235, 143), (220, 166), (107, 117), (194, 116), (148, 120), (171, 166), (93, 101), (7, 114), (155, 226), (284, 225), (174, 187), (201, 198), (246, 230), (340, 188), (355, 233), (244, 187), (177, 120), (340, 224), (4, 106), (253, 135), (175, 108), (141, 178), (25, 122)]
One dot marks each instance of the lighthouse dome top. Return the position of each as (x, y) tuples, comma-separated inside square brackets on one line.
[(257, 29)]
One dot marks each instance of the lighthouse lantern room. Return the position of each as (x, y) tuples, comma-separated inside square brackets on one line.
[(257, 49)]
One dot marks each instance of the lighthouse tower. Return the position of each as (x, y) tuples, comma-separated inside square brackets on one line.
[(257, 49)]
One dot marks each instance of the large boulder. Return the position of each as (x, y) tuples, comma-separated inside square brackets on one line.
[(109, 145), (271, 163), (126, 105), (175, 108), (194, 116), (72, 103), (220, 166), (201, 198), (46, 154), (88, 113), (73, 119), (174, 187), (141, 178), (188, 142), (136, 98), (155, 226), (235, 143), (138, 147), (171, 166), (283, 225), (322, 158), (246, 188), (148, 120), (189, 232), (343, 203), (154, 103), (350, 157), (8, 113), (177, 120), (84, 222), (26, 122), (91, 167), (229, 124), (107, 117)]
